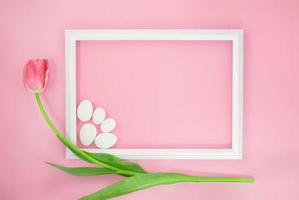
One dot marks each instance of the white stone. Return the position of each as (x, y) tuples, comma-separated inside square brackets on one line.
[(108, 125), (84, 110), (99, 116), (105, 140), (88, 133)]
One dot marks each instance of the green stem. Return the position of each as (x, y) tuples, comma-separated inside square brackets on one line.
[(222, 179), (77, 151), (80, 153)]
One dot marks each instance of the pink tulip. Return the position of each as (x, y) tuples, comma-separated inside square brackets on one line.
[(35, 75)]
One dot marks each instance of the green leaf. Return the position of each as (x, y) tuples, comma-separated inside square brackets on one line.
[(117, 163), (143, 181), (83, 171)]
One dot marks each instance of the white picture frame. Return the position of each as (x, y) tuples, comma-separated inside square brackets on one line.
[(233, 35)]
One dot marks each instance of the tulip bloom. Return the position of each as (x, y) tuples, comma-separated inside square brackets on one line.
[(35, 75)]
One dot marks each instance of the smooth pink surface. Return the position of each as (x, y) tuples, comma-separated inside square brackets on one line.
[(31, 29), (162, 94)]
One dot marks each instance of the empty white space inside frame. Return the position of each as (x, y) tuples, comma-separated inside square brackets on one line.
[(155, 93)]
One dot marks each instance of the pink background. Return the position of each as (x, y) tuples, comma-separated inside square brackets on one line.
[(31, 29), (163, 94)]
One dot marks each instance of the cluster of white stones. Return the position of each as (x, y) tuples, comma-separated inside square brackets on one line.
[(88, 132)]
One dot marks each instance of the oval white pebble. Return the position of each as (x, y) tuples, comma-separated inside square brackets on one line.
[(88, 133), (105, 140), (84, 110), (99, 116), (108, 125)]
